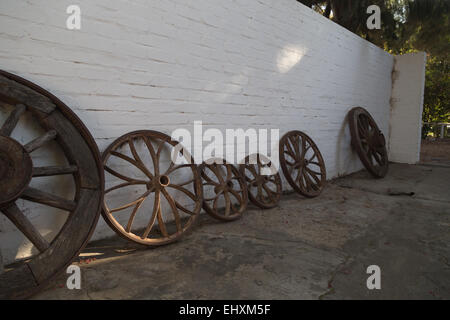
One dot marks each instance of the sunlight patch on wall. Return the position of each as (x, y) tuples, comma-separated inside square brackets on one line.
[(289, 56)]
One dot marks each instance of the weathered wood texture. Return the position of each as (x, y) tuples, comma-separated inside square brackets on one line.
[(12, 120), (14, 93), (84, 164)]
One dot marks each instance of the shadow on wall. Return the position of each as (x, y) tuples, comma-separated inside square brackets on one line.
[(346, 159)]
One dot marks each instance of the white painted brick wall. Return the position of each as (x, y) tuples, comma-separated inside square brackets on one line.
[(407, 107), (161, 64)]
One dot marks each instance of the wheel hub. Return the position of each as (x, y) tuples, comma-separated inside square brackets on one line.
[(164, 181), (15, 169), (301, 163)]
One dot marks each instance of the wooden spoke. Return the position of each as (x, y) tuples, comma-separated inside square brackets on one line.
[(126, 184), (235, 194), (12, 120), (229, 173), (368, 142), (53, 171), (184, 209), (39, 142), (151, 150), (173, 167), (184, 190), (24, 225), (310, 182), (133, 214), (158, 184), (230, 181), (295, 142), (216, 196), (174, 209), (313, 172), (135, 202), (270, 193), (48, 199), (136, 163), (156, 209), (377, 157), (290, 150), (121, 176), (162, 224), (297, 173), (158, 154), (185, 183), (208, 180)]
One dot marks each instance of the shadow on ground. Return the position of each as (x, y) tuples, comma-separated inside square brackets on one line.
[(304, 249)]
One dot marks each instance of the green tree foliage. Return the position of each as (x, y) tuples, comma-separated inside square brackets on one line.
[(406, 26), (436, 106), (427, 27)]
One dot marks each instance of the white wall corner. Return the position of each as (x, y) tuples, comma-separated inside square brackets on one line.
[(408, 85)]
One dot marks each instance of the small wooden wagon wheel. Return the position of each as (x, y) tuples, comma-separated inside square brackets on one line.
[(263, 185), (302, 164), (224, 189), (368, 141), (148, 181), (53, 252)]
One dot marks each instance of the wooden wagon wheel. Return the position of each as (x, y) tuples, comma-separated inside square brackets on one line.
[(178, 186), (18, 170), (368, 141), (302, 164), (263, 185), (224, 189)]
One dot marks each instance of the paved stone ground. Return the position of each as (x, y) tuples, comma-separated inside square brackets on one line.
[(304, 249)]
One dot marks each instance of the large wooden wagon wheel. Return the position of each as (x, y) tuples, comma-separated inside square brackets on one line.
[(368, 141), (302, 164), (155, 175), (224, 189), (19, 170), (263, 183)]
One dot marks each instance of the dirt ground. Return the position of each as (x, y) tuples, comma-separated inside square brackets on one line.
[(304, 249), (437, 151)]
